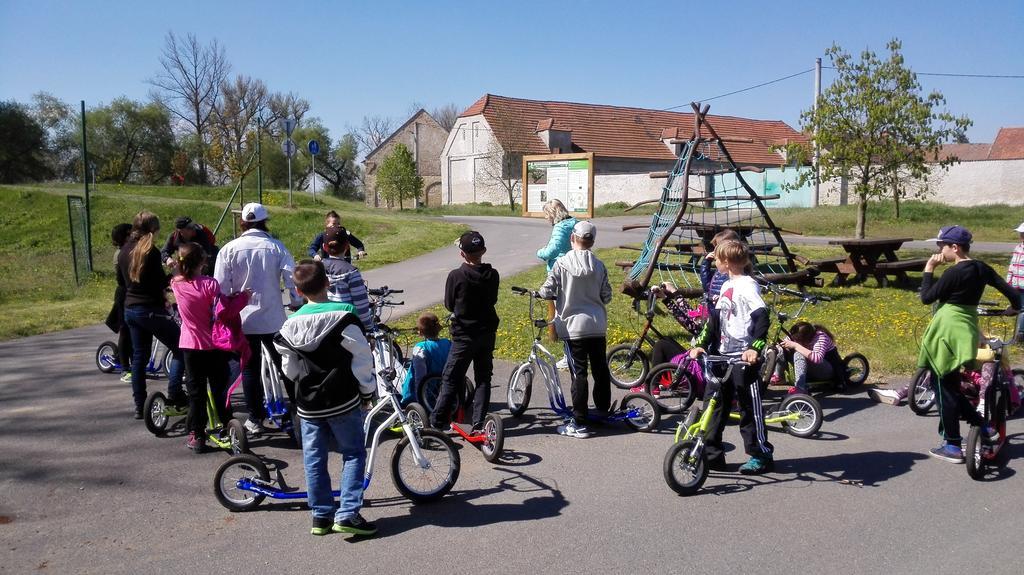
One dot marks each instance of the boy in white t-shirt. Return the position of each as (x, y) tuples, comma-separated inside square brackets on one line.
[(738, 326)]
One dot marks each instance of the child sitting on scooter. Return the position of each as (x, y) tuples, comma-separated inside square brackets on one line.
[(428, 356), (196, 295), (578, 283), (737, 326), (324, 352), (815, 356)]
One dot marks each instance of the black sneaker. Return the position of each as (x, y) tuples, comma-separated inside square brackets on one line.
[(355, 524), (178, 400), (321, 526), (138, 413)]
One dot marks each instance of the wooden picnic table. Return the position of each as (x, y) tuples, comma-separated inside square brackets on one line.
[(870, 257)]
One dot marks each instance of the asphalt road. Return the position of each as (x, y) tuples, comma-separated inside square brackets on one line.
[(84, 488)]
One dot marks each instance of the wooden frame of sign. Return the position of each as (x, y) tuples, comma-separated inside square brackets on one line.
[(588, 156)]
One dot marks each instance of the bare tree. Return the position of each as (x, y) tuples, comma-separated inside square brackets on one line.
[(446, 115), (189, 84), (283, 106), (373, 131), (242, 101)]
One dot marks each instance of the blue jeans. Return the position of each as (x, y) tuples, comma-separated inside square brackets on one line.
[(1020, 318), (145, 323), (347, 430)]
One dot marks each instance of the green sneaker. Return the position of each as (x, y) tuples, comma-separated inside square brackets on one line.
[(355, 524), (321, 526), (126, 377), (756, 465)]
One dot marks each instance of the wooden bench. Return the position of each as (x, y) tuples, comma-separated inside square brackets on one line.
[(898, 268)]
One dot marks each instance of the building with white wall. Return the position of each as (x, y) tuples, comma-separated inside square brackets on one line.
[(480, 160)]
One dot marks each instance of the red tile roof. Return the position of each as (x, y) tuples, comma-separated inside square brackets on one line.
[(965, 152), (620, 132), (1009, 145)]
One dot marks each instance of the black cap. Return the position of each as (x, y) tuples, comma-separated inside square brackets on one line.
[(471, 242), (182, 222)]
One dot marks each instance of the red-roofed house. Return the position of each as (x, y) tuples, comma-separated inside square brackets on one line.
[(483, 147)]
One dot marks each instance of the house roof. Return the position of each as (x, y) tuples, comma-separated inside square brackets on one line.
[(622, 132), (965, 152), (420, 112), (1009, 145)]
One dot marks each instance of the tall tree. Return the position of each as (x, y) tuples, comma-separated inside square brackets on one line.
[(22, 146), (63, 134), (338, 166), (241, 102), (130, 141), (875, 126), (446, 115), (373, 131), (189, 85), (397, 179)]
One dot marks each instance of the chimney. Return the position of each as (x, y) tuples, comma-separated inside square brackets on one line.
[(557, 141)]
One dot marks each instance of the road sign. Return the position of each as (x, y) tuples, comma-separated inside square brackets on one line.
[(288, 147), (289, 126), (314, 147)]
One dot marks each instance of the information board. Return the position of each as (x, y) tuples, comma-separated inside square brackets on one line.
[(568, 178)]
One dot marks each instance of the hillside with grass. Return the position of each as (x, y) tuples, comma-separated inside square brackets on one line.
[(37, 287)]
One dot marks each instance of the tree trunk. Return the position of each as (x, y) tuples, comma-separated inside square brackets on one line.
[(862, 213), (896, 197)]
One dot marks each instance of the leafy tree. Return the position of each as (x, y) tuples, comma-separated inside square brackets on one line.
[(397, 179), (130, 141), (338, 166), (875, 126), (241, 102), (63, 134), (188, 85), (22, 146)]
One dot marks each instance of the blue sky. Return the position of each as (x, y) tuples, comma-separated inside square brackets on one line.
[(376, 58)]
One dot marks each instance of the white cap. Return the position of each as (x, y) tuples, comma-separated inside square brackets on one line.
[(1020, 228), (585, 230), (254, 212)]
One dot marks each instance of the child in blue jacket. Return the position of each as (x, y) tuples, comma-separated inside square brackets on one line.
[(428, 356)]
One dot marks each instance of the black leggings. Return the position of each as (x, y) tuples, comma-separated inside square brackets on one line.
[(953, 404), (664, 350), (124, 348), (204, 367)]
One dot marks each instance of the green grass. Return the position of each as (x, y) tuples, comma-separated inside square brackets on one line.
[(37, 289), (881, 323), (481, 209), (918, 220)]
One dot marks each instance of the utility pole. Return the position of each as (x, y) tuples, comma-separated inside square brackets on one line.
[(259, 160), (817, 96), (416, 156)]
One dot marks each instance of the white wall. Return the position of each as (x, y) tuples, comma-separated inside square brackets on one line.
[(965, 184), (465, 154)]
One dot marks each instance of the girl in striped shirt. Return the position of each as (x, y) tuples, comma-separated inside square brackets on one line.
[(815, 356), (1015, 277)]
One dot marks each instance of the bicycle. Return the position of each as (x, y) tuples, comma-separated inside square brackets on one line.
[(638, 410), (156, 414), (159, 364), (424, 465), (627, 362), (996, 399), (856, 365)]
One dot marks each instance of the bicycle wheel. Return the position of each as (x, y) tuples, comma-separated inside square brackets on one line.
[(520, 385), (225, 482), (164, 367), (417, 416), (921, 394), (974, 455), (430, 387), (857, 369), (154, 414), (106, 355), (645, 415), (494, 430), (628, 367), (684, 467), (809, 410), (238, 440), (771, 358), (1018, 381), (671, 387), (435, 477)]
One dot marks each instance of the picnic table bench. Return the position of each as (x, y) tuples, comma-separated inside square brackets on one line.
[(870, 257)]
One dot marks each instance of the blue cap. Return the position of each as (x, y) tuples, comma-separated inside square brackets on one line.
[(954, 235)]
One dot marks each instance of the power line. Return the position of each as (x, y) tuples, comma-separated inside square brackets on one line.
[(953, 75), (747, 89)]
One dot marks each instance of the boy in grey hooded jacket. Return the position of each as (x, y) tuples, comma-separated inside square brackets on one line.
[(578, 282)]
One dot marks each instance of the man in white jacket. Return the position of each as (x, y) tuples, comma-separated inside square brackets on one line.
[(578, 282), (258, 262)]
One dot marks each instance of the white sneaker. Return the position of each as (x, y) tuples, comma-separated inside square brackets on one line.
[(887, 396), (254, 428), (562, 363), (570, 429)]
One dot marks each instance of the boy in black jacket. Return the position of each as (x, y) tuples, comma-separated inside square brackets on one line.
[(470, 294), (324, 352)]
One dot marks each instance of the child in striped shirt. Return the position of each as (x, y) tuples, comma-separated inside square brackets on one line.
[(1015, 277), (346, 283), (815, 356)]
